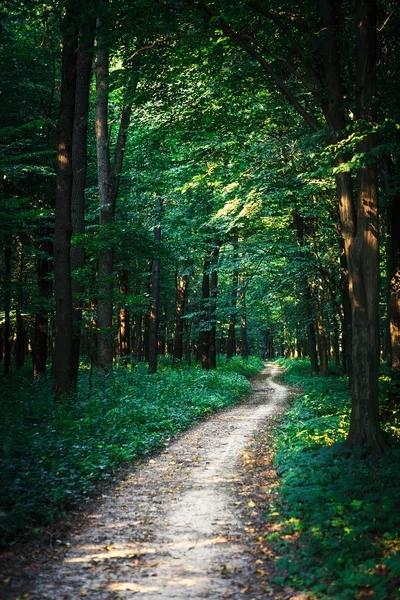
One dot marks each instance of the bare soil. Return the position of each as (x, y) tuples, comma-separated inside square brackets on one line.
[(181, 525)]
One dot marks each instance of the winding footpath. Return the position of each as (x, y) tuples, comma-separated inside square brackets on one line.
[(170, 529)]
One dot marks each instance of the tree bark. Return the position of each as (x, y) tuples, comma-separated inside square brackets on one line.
[(108, 180), (363, 249), (7, 308), (137, 343), (311, 335), (231, 344), (155, 300), (243, 325), (204, 339), (79, 152), (322, 345), (213, 307), (181, 290), (393, 262), (124, 335), (44, 268), (20, 342), (105, 344), (62, 363)]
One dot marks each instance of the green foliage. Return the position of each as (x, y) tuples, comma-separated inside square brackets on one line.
[(338, 517), (52, 454), (245, 366)]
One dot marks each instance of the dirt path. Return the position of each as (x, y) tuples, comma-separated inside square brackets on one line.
[(170, 529)]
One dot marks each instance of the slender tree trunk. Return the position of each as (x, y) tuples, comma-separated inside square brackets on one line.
[(347, 318), (106, 253), (181, 290), (62, 362), (311, 335), (7, 308), (393, 263), (20, 343), (124, 336), (243, 325), (108, 179), (322, 345), (155, 297), (137, 345), (40, 336), (79, 152), (213, 307), (336, 350), (231, 344), (204, 341)]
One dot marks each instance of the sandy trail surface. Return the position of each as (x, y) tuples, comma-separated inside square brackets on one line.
[(169, 530)]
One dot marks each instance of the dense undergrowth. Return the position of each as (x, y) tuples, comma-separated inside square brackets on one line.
[(52, 454), (337, 520)]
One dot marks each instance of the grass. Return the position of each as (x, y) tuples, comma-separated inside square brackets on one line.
[(53, 454), (338, 518)]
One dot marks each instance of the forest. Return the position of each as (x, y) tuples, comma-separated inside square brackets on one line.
[(189, 189)]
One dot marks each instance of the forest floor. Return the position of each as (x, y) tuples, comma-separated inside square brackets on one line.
[(185, 523)]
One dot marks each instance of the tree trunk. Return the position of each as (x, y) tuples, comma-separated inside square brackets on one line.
[(181, 290), (362, 249), (108, 179), (155, 296), (231, 344), (62, 362), (20, 342), (311, 335), (204, 341), (105, 343), (137, 338), (322, 345), (243, 325), (7, 308), (124, 336), (347, 318), (79, 152), (44, 267), (213, 307), (393, 262)]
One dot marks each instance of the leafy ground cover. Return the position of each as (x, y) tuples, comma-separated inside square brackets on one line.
[(336, 519), (53, 454)]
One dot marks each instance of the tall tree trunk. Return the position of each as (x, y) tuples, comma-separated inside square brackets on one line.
[(155, 300), (347, 318), (181, 290), (62, 362), (137, 343), (243, 324), (124, 330), (79, 153), (359, 221), (20, 343), (213, 307), (108, 179), (393, 262), (322, 344), (204, 338), (231, 343), (362, 249), (106, 253), (44, 268), (7, 308), (311, 335)]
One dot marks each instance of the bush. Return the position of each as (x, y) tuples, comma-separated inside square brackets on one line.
[(342, 513)]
